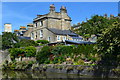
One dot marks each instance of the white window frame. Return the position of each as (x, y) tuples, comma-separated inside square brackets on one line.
[(32, 35), (58, 37), (41, 23), (41, 33), (48, 38), (64, 38), (36, 24)]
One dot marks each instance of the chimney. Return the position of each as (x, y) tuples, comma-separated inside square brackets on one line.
[(63, 9), (52, 8)]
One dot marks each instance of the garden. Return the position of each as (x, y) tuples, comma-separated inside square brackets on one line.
[(105, 53)]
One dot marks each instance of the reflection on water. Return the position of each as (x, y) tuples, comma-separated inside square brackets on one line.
[(27, 75)]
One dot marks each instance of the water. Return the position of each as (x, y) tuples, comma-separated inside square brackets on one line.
[(28, 75)]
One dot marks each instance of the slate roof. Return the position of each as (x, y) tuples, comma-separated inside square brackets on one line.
[(79, 42), (62, 32), (76, 37), (22, 37)]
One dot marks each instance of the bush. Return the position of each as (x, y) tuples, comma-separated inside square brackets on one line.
[(43, 54), (42, 41), (26, 43), (27, 52), (30, 51), (15, 52), (61, 49)]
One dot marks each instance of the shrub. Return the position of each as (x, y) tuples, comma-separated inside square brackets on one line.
[(15, 52), (57, 50), (26, 43), (43, 54), (30, 51), (42, 41), (61, 49)]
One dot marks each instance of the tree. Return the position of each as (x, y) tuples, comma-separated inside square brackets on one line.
[(109, 45), (9, 40), (96, 25)]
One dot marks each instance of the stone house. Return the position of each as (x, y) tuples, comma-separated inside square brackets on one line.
[(24, 31), (54, 26), (21, 31)]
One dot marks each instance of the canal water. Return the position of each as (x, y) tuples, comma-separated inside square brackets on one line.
[(27, 75)]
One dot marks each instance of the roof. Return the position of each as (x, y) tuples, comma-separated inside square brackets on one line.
[(22, 37), (22, 27), (16, 30), (79, 42), (62, 32), (76, 37)]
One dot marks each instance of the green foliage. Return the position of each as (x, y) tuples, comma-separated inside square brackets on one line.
[(57, 50), (25, 43), (109, 44), (18, 65), (42, 41), (43, 54), (95, 25), (30, 51), (23, 52), (9, 40), (59, 53), (15, 52), (61, 49), (79, 62)]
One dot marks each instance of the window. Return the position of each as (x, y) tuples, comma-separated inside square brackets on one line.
[(41, 23), (48, 38), (58, 37), (36, 35), (32, 36), (35, 24), (41, 33), (64, 38)]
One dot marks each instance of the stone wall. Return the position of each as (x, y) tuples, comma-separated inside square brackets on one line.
[(26, 59), (89, 71), (46, 34), (4, 55), (28, 32)]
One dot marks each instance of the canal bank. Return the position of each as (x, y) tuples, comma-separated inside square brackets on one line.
[(81, 70)]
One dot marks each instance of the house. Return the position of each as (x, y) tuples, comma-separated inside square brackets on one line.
[(21, 31), (54, 26), (24, 32)]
